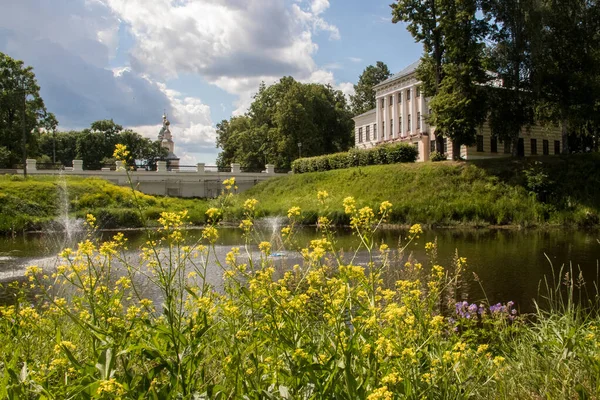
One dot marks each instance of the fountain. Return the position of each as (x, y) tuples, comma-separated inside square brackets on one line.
[(275, 224), (65, 231)]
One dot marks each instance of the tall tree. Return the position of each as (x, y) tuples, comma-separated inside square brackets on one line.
[(284, 119), (567, 65), (424, 22), (363, 99), (18, 90), (451, 68), (515, 32)]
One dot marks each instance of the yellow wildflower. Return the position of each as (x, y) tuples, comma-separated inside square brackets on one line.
[(121, 153), (381, 393)]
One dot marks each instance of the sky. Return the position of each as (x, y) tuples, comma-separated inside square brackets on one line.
[(200, 61)]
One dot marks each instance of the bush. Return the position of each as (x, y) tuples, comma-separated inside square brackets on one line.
[(386, 154), (437, 156)]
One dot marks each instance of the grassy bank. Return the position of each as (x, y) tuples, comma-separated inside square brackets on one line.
[(34, 203), (549, 190)]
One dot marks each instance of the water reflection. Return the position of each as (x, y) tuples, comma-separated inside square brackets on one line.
[(509, 263)]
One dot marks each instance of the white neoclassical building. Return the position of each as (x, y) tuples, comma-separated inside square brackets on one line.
[(401, 113)]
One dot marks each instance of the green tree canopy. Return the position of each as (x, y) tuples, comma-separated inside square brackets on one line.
[(281, 117), (451, 69), (363, 99), (17, 86)]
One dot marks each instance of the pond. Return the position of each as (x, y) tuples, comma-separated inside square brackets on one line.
[(510, 264)]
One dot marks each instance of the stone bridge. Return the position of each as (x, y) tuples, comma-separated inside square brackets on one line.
[(198, 181)]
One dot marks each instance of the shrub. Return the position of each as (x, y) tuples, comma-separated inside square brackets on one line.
[(386, 154), (437, 156)]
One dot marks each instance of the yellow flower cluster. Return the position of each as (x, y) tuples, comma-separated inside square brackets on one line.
[(213, 214), (173, 220), (121, 153), (111, 388), (229, 183), (250, 205), (322, 195), (293, 212)]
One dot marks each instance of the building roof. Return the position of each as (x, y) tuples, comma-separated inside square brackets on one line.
[(406, 71), (365, 113)]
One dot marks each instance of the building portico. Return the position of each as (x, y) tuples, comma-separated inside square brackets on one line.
[(401, 115)]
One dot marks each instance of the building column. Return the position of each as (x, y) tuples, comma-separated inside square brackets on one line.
[(404, 114), (423, 127), (413, 103), (386, 118), (394, 108), (378, 118)]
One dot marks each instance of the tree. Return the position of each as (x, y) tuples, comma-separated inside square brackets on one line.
[(18, 86), (515, 31), (282, 116), (60, 147), (363, 99), (567, 64), (423, 18), (451, 68), (106, 126)]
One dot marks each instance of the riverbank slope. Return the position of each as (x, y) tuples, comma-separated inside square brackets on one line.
[(34, 203), (558, 190)]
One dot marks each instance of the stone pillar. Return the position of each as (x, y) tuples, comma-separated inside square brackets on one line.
[(377, 119), (413, 102), (31, 164), (423, 111), (235, 168), (77, 165), (394, 118), (161, 166), (270, 168), (200, 168), (404, 107), (386, 119)]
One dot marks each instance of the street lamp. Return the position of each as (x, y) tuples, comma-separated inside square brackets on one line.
[(299, 149)]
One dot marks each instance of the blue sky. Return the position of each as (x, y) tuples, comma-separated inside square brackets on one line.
[(200, 60)]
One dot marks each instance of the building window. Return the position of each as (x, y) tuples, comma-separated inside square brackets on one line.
[(391, 128), (480, 143), (417, 148), (400, 97), (557, 147), (445, 145), (408, 123), (533, 147), (383, 130), (408, 94), (360, 135), (375, 131), (432, 146), (418, 91), (382, 103), (418, 120), (391, 100), (368, 133), (546, 147), (507, 147), (494, 144), (400, 126)]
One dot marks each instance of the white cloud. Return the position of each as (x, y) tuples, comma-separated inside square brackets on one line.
[(233, 44), (355, 59)]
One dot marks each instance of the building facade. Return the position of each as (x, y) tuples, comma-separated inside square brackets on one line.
[(401, 114)]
